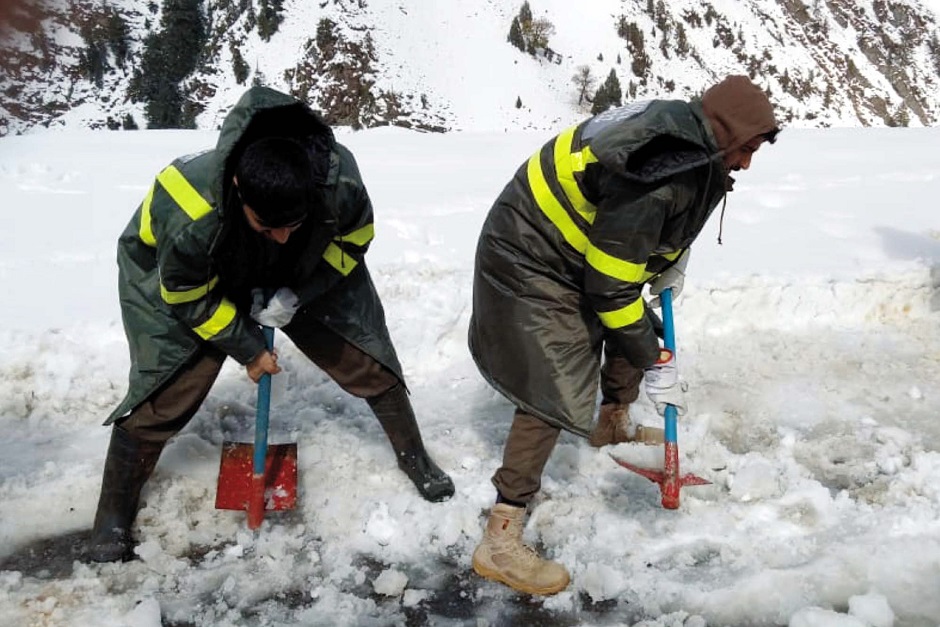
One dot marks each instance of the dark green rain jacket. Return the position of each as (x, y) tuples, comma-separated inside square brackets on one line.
[(564, 253), (187, 260)]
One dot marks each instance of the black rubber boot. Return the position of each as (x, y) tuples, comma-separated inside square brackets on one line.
[(129, 464), (395, 414)]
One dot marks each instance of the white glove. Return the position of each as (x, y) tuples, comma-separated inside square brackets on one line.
[(278, 312), (673, 277), (663, 385)]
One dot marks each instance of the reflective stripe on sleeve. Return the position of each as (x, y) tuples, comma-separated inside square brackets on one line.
[(223, 316), (623, 316), (614, 267), (343, 263), (673, 255), (361, 236), (177, 297)]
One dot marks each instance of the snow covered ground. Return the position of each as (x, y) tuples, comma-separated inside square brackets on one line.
[(811, 341)]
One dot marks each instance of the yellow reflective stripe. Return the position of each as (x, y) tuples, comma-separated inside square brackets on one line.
[(223, 316), (672, 256), (343, 263), (187, 296), (614, 267), (359, 237), (146, 228), (581, 160), (647, 276), (564, 170), (183, 193), (550, 206), (623, 316)]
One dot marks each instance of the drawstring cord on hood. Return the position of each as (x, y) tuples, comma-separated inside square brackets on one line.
[(721, 218)]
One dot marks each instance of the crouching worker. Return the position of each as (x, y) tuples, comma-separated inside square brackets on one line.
[(601, 210), (278, 207)]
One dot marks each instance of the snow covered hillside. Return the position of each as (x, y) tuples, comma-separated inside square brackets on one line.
[(447, 65)]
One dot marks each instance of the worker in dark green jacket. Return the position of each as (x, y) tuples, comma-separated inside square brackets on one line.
[(270, 227), (603, 209)]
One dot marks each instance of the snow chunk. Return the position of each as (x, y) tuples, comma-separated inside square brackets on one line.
[(381, 526), (602, 582), (756, 479), (146, 614), (872, 608), (390, 582), (413, 597)]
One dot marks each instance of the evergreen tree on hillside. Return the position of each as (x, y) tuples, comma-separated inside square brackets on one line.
[(525, 14), (169, 56), (103, 34), (608, 95), (531, 35), (515, 35), (270, 16)]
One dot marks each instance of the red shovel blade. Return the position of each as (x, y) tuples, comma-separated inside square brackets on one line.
[(668, 478), (234, 489)]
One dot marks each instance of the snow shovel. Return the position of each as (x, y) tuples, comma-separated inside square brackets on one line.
[(257, 477), (668, 478)]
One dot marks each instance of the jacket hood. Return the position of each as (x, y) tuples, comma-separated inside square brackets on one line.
[(667, 137), (738, 111), (264, 112)]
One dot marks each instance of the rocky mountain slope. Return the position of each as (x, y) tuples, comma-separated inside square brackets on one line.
[(451, 65)]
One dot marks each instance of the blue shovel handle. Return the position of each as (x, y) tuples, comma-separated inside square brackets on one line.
[(263, 410)]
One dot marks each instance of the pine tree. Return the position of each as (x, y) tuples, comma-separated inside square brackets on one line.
[(600, 103), (515, 35), (608, 95), (270, 18), (240, 67), (614, 93), (170, 56), (525, 14)]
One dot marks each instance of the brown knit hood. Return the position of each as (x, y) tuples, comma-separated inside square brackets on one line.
[(738, 111)]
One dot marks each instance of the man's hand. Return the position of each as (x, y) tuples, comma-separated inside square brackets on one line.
[(264, 363), (663, 385), (673, 278), (279, 310)]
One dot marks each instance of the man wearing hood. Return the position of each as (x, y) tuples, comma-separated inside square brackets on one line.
[(603, 209), (270, 227)]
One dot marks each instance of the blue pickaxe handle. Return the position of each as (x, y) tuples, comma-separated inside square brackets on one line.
[(669, 340)]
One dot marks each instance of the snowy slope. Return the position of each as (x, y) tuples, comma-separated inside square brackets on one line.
[(448, 65)]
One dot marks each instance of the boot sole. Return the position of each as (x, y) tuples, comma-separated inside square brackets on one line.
[(498, 577)]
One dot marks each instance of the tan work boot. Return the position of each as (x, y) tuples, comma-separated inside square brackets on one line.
[(501, 556), (614, 426)]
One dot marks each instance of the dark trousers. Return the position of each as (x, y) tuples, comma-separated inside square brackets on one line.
[(171, 407), (531, 440)]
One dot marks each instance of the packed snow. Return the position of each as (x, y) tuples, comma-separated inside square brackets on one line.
[(810, 340)]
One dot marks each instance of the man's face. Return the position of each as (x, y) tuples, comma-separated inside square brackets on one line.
[(740, 158), (276, 234)]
